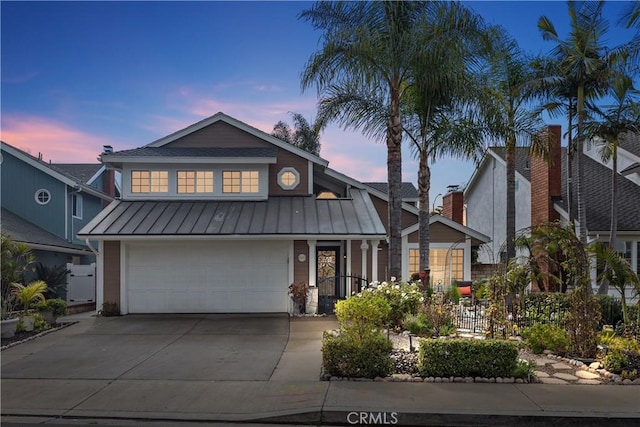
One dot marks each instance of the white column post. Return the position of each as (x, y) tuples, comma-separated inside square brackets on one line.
[(313, 273), (374, 260), (364, 247), (348, 267), (100, 276)]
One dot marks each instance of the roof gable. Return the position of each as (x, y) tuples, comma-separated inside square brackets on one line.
[(223, 118)]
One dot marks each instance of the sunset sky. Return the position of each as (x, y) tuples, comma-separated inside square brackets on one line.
[(78, 75)]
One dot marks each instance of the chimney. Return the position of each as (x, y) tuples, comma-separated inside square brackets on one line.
[(453, 205), (546, 180), (108, 177)]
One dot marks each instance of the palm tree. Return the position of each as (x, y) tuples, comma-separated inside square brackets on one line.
[(509, 84), (365, 57), (440, 118), (614, 122), (304, 135), (617, 271), (581, 58)]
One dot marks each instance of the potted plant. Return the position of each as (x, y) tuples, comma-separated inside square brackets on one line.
[(51, 309), (299, 293), (26, 295), (15, 260)]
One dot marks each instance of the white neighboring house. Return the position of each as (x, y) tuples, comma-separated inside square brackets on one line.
[(485, 196)]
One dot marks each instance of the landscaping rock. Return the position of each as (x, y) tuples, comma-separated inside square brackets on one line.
[(586, 375), (595, 365), (519, 381), (567, 377), (627, 381)]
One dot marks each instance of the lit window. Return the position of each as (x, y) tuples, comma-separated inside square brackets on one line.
[(445, 266), (149, 181), (42, 196), (240, 182), (195, 182), (288, 178), (76, 205)]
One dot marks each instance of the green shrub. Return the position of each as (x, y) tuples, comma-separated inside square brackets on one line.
[(110, 309), (463, 357), (403, 298), (541, 307), (57, 306), (615, 361), (454, 294), (418, 324), (362, 313), (351, 355), (524, 369), (542, 337)]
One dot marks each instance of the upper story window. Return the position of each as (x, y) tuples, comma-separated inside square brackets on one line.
[(76, 205), (42, 196), (144, 181), (288, 178), (247, 181), (195, 182)]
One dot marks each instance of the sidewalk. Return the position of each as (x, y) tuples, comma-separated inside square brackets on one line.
[(293, 395)]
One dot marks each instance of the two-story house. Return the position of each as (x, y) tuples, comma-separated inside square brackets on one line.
[(222, 217), (44, 205), (541, 195)]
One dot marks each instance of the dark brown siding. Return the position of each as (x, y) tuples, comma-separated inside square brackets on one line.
[(382, 209), (440, 233), (300, 269), (221, 135), (111, 272), (356, 258), (286, 159)]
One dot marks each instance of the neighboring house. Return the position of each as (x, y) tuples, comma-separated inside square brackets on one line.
[(408, 191), (541, 195), (222, 217), (44, 205)]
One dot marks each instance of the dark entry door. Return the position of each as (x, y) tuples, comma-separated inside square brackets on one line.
[(329, 289)]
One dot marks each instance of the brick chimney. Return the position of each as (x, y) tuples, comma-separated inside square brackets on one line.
[(453, 205), (546, 180), (108, 177)]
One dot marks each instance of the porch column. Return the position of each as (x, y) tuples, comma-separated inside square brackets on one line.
[(100, 276), (467, 258), (405, 258), (364, 247), (312, 263), (347, 267), (374, 260)]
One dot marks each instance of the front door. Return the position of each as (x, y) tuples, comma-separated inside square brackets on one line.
[(328, 262)]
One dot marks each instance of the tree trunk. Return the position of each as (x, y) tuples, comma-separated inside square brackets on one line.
[(579, 179), (571, 211), (614, 198), (394, 172), (510, 154), (424, 185)]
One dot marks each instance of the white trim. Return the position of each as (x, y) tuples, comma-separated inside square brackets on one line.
[(405, 258), (466, 265), (44, 191), (364, 247), (100, 276), (451, 224), (188, 160), (95, 176), (291, 262), (124, 275), (242, 126), (374, 260), (313, 261), (296, 174)]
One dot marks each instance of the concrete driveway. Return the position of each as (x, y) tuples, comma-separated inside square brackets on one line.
[(167, 347)]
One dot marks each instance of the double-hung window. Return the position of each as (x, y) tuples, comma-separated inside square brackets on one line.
[(145, 181), (195, 182), (247, 181), (76, 205)]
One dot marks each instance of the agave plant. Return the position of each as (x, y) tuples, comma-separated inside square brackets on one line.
[(30, 293)]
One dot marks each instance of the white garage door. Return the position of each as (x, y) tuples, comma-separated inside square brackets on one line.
[(208, 277)]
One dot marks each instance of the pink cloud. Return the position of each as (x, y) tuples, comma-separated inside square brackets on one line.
[(58, 142)]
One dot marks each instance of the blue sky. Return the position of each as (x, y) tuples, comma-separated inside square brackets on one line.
[(78, 75)]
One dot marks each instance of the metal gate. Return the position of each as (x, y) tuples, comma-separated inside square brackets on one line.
[(81, 287)]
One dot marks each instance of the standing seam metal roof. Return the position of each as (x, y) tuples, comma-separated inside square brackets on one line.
[(275, 216)]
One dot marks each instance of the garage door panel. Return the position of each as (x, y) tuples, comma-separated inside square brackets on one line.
[(202, 277)]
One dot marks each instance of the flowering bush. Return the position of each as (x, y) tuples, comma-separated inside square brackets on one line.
[(403, 298)]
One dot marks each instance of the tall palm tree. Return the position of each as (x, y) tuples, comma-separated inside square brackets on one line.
[(581, 58), (304, 134), (611, 124), (509, 77), (365, 53), (441, 120)]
